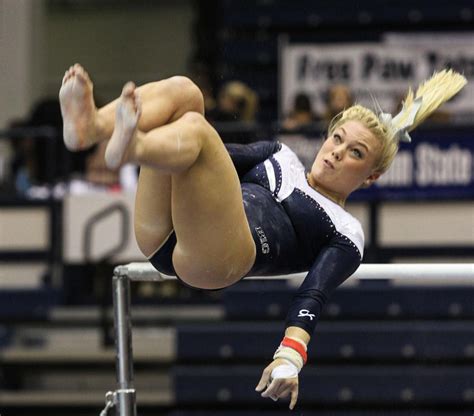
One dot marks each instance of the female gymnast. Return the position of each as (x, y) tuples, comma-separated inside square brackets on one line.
[(212, 213)]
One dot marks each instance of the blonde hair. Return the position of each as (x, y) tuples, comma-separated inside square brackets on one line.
[(433, 93), (245, 97)]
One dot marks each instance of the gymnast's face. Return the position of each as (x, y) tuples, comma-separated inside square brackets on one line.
[(345, 161)]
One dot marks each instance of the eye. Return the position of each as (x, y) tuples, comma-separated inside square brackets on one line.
[(337, 138), (357, 153)]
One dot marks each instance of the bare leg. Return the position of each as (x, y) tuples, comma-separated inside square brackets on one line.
[(215, 247), (162, 102), (84, 125)]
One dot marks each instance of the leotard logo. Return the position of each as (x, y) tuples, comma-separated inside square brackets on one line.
[(303, 313), (263, 240)]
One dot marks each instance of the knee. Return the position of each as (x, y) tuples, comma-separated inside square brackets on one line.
[(197, 126), (187, 91)]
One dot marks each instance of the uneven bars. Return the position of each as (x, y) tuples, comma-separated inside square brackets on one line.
[(399, 271), (124, 398)]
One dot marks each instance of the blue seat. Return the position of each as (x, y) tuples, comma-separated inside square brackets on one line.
[(27, 304), (284, 14), (430, 341), (328, 385), (259, 300), (312, 412), (5, 336), (243, 51)]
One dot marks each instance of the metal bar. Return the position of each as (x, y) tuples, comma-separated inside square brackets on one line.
[(125, 396), (125, 400), (443, 272)]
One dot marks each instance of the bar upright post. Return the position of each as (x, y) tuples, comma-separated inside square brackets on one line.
[(125, 399)]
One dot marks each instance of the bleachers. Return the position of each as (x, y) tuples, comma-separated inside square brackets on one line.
[(335, 342), (402, 350), (254, 300), (307, 13), (377, 347), (390, 386), (27, 304), (251, 412), (248, 32)]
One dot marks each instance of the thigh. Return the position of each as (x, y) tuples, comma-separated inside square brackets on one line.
[(152, 216), (215, 247)]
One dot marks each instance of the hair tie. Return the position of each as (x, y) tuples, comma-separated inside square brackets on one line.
[(401, 131)]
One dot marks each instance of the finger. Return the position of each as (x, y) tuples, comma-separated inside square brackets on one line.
[(272, 388), (263, 380), (294, 398), (284, 391), (282, 386)]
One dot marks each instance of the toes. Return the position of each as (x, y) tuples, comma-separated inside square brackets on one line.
[(80, 74), (128, 89), (76, 71), (78, 68), (68, 74)]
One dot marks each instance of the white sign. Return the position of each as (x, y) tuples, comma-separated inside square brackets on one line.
[(373, 71)]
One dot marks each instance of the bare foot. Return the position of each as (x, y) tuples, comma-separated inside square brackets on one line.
[(78, 109), (127, 114)]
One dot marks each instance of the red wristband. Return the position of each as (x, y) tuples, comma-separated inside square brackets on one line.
[(297, 346)]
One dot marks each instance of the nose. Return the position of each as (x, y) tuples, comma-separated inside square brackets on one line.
[(337, 154)]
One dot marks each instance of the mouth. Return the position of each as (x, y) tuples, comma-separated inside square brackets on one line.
[(328, 163)]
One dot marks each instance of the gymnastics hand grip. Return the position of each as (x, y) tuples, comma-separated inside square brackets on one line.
[(288, 370)]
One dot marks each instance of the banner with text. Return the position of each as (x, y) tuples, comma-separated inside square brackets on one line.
[(380, 70), (433, 166), (428, 168)]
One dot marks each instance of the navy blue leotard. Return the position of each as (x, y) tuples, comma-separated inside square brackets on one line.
[(295, 228)]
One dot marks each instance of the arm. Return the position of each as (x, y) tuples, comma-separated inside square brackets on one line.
[(246, 156), (332, 267), (334, 264)]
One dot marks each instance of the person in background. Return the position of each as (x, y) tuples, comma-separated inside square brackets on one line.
[(97, 172), (236, 101), (338, 98), (39, 161), (301, 115)]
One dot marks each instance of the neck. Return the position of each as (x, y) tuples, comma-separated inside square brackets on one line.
[(333, 196)]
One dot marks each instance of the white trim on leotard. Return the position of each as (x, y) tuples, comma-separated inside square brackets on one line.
[(293, 177)]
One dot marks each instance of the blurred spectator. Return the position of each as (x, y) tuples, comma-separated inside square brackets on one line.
[(41, 166), (22, 164), (235, 102), (98, 177), (97, 172), (301, 115), (6, 156), (40, 157), (339, 97)]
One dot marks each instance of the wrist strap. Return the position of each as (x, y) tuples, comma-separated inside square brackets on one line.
[(298, 346), (289, 354)]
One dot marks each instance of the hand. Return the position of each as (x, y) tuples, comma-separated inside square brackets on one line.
[(280, 379)]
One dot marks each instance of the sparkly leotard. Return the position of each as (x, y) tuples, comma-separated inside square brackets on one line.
[(295, 228)]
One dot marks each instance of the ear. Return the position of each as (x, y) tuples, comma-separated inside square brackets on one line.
[(371, 179)]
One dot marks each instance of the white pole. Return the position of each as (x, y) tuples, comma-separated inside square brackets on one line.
[(442, 272)]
